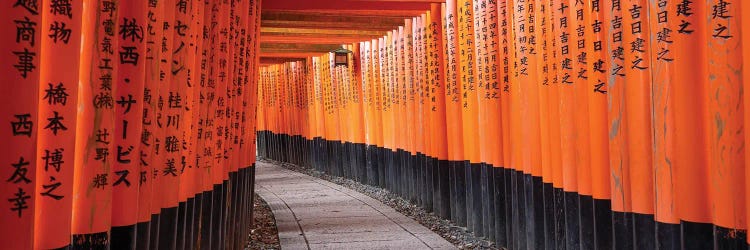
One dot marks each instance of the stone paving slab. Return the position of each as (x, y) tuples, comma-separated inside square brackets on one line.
[(374, 224), (316, 214)]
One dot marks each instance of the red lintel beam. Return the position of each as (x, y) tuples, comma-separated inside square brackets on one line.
[(314, 39), (368, 13), (289, 54), (329, 25), (412, 1), (323, 31), (326, 16), (343, 5), (275, 60)]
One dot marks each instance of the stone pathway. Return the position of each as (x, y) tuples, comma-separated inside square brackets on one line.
[(316, 214)]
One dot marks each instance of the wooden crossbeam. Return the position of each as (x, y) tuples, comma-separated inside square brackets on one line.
[(315, 39), (313, 16), (289, 54), (304, 31), (293, 30), (344, 5), (297, 47), (264, 61), (413, 1), (383, 26), (369, 13)]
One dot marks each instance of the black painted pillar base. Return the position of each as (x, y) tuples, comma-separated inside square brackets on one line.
[(371, 165), (224, 214), (517, 209), (536, 198), (345, 160), (442, 177), (645, 231), (206, 214), (425, 188), (356, 166), (430, 185), (381, 168), (332, 159), (322, 148), (623, 226), (398, 163), (362, 163), (327, 161), (459, 183), (586, 206), (395, 172), (403, 174), (339, 155), (168, 228), (233, 199), (418, 180), (143, 235), (298, 150), (489, 200), (236, 221), (291, 155), (727, 238), (154, 231), (275, 146), (216, 217), (244, 195), (453, 195), (476, 186), (388, 156), (559, 216), (485, 200), (696, 235), (190, 223), (411, 169), (315, 153), (307, 149), (393, 181), (491, 219), (572, 225), (181, 222), (284, 148), (197, 211), (549, 216), (501, 220), (351, 164), (322, 154), (123, 237), (603, 228), (470, 216)]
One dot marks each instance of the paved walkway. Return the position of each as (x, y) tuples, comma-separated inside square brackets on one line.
[(316, 214)]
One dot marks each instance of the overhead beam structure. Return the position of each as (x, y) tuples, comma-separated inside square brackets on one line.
[(293, 30)]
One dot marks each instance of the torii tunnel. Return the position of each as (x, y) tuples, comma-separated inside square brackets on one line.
[(536, 124)]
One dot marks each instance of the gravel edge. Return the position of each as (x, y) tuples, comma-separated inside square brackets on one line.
[(263, 233)]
